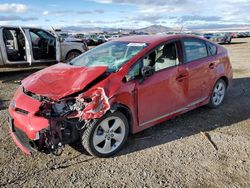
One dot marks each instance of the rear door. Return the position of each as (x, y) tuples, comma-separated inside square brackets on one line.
[(15, 46), (199, 65)]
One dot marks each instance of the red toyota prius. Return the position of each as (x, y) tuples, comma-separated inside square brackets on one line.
[(120, 87)]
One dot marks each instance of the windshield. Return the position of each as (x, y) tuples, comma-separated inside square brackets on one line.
[(111, 54), (44, 34)]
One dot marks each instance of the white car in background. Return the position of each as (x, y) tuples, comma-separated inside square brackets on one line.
[(103, 38), (26, 45), (114, 37)]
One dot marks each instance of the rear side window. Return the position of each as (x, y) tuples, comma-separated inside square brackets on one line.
[(194, 49), (212, 49)]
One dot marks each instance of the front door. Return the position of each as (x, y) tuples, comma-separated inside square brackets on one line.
[(161, 94), (43, 45)]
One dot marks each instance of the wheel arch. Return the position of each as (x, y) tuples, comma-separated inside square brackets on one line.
[(126, 111), (73, 50), (225, 79)]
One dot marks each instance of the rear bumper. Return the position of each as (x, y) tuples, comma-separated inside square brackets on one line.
[(20, 138)]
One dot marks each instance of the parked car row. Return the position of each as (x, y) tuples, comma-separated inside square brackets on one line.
[(225, 37), (91, 39), (221, 38), (242, 34)]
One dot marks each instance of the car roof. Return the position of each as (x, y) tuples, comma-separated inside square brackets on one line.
[(153, 38)]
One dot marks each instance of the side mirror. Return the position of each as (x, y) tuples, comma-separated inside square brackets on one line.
[(147, 71)]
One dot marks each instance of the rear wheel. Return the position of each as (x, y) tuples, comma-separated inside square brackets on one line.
[(218, 94), (106, 136)]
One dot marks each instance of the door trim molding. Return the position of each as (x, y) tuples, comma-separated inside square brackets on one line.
[(174, 112)]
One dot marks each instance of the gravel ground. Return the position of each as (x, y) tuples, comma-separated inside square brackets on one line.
[(171, 154)]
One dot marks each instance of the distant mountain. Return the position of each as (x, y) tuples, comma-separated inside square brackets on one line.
[(150, 29), (154, 29)]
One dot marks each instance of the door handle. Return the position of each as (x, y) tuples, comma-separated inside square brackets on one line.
[(211, 65)]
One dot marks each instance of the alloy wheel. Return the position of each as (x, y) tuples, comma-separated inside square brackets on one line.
[(218, 93), (109, 135)]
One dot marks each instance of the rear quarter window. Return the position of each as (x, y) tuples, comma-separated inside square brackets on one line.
[(194, 49), (212, 49)]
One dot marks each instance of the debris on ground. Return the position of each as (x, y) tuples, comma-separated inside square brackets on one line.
[(208, 137)]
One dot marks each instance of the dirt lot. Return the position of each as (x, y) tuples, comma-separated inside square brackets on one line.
[(171, 154)]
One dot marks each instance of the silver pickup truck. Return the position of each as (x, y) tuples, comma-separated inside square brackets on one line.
[(25, 45)]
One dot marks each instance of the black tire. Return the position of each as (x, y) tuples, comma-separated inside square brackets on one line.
[(72, 55), (88, 135), (212, 103), (92, 43)]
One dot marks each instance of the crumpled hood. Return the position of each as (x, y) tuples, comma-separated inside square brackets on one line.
[(61, 80)]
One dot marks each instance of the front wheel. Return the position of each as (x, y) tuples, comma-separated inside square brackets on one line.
[(218, 94), (72, 55), (106, 136)]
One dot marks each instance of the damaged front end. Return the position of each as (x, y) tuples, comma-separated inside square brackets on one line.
[(53, 106), (67, 118)]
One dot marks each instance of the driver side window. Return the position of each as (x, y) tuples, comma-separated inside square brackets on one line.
[(162, 57)]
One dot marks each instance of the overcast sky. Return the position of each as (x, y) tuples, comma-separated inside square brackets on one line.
[(192, 14)]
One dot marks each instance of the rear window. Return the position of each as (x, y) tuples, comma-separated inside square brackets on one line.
[(194, 49)]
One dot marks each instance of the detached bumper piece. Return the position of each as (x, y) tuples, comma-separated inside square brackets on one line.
[(21, 139)]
